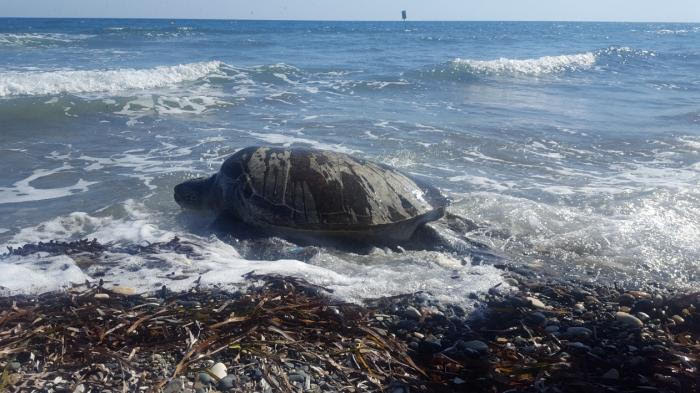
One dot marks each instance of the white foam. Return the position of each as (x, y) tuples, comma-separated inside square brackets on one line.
[(87, 81), (23, 191), (352, 277), (538, 66), (287, 140), (37, 39)]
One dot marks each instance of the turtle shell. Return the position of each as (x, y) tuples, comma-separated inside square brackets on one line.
[(318, 190)]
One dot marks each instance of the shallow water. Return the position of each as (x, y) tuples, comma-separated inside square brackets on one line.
[(571, 146)]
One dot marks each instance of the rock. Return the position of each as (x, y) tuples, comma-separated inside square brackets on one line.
[(592, 300), (579, 332), (227, 382), (536, 303), (644, 305), (412, 312), (79, 389), (218, 370), (639, 295), (643, 316), (612, 374), (14, 366), (579, 345), (458, 381), (626, 299), (123, 290), (175, 386), (418, 335), (205, 378), (475, 345), (430, 346), (101, 296), (535, 318), (678, 319), (628, 320), (551, 329)]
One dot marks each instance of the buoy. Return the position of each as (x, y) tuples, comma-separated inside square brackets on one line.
[(403, 14)]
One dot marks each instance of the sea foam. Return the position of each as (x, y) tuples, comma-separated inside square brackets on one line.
[(537, 66), (14, 83)]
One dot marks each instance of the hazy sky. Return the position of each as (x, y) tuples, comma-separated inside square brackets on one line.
[(587, 10)]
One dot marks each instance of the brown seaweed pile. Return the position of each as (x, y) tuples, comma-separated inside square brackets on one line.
[(283, 334)]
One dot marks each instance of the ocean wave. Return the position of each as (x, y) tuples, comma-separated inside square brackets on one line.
[(15, 83), (39, 39), (536, 66)]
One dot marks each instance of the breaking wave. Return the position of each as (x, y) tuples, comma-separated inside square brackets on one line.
[(40, 39), (538, 66), (14, 83)]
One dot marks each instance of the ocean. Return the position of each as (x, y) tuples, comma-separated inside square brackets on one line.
[(573, 148)]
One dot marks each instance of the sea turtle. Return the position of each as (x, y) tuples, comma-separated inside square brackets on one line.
[(311, 193)]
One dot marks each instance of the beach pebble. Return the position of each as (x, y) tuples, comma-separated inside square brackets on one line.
[(79, 389), (475, 345), (678, 319), (123, 290), (628, 320), (643, 316), (412, 312), (219, 370), (227, 382), (579, 332), (626, 299), (535, 318), (612, 374), (14, 366), (101, 296), (551, 329), (175, 386), (639, 295), (534, 302)]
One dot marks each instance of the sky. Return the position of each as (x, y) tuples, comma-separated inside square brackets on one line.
[(539, 10)]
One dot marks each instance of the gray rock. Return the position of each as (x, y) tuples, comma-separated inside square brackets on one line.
[(579, 332), (626, 299), (643, 316), (175, 386), (475, 345), (612, 374), (227, 382), (412, 312), (551, 329), (628, 320), (536, 303)]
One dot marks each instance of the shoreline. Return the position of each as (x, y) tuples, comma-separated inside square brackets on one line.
[(284, 334)]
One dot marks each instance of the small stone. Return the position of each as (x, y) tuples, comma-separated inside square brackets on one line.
[(476, 345), (536, 303), (101, 296), (628, 320), (624, 309), (580, 307), (79, 389), (579, 346), (588, 316), (535, 318), (579, 332), (612, 374), (592, 300), (123, 290), (626, 299), (175, 386), (218, 370), (551, 329), (412, 312), (227, 382), (639, 295), (205, 378), (14, 366), (458, 381), (418, 335), (643, 316), (644, 305), (678, 319)]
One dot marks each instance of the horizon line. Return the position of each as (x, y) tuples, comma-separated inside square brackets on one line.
[(350, 20)]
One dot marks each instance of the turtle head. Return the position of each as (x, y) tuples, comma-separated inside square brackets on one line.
[(195, 194)]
